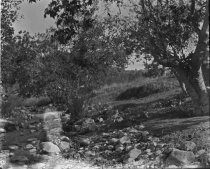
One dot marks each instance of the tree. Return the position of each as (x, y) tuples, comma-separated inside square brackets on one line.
[(165, 30), (9, 10)]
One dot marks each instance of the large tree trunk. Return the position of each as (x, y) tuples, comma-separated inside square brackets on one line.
[(194, 85)]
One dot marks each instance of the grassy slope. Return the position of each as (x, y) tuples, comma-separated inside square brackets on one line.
[(168, 122)]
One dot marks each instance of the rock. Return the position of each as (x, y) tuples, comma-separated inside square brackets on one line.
[(64, 146), (119, 147), (32, 131), (19, 159), (89, 153), (29, 146), (158, 152), (128, 147), (110, 147), (172, 166), (65, 138), (114, 140), (125, 139), (180, 157), (148, 151), (189, 146), (2, 130), (49, 148), (13, 147), (31, 126), (133, 154), (11, 154), (88, 124), (50, 116), (133, 130), (33, 150), (38, 166), (84, 141), (108, 152), (32, 139)]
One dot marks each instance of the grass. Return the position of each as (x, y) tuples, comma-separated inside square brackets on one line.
[(134, 90)]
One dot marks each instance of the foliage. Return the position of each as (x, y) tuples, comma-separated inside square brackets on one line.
[(9, 10), (121, 76)]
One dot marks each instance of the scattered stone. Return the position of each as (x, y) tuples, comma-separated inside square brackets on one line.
[(125, 139), (148, 151), (11, 154), (180, 156), (133, 154), (108, 152), (32, 139), (64, 146), (29, 146), (88, 124), (49, 148), (133, 130), (172, 166), (84, 141), (32, 131), (38, 166), (31, 126), (90, 153), (2, 130), (33, 150), (189, 146), (128, 147), (119, 147), (158, 152), (65, 138), (110, 147), (114, 140), (13, 147)]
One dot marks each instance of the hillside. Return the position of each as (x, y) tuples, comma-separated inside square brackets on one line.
[(141, 123)]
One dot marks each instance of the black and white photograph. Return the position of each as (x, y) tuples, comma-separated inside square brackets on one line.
[(104, 84)]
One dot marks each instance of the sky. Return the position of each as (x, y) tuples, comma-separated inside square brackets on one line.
[(31, 18)]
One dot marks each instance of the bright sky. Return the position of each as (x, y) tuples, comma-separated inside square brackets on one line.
[(33, 21)]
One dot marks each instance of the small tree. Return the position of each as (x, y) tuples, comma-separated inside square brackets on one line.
[(9, 10)]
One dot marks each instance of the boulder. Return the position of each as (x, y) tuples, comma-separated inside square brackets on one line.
[(49, 148), (180, 157)]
